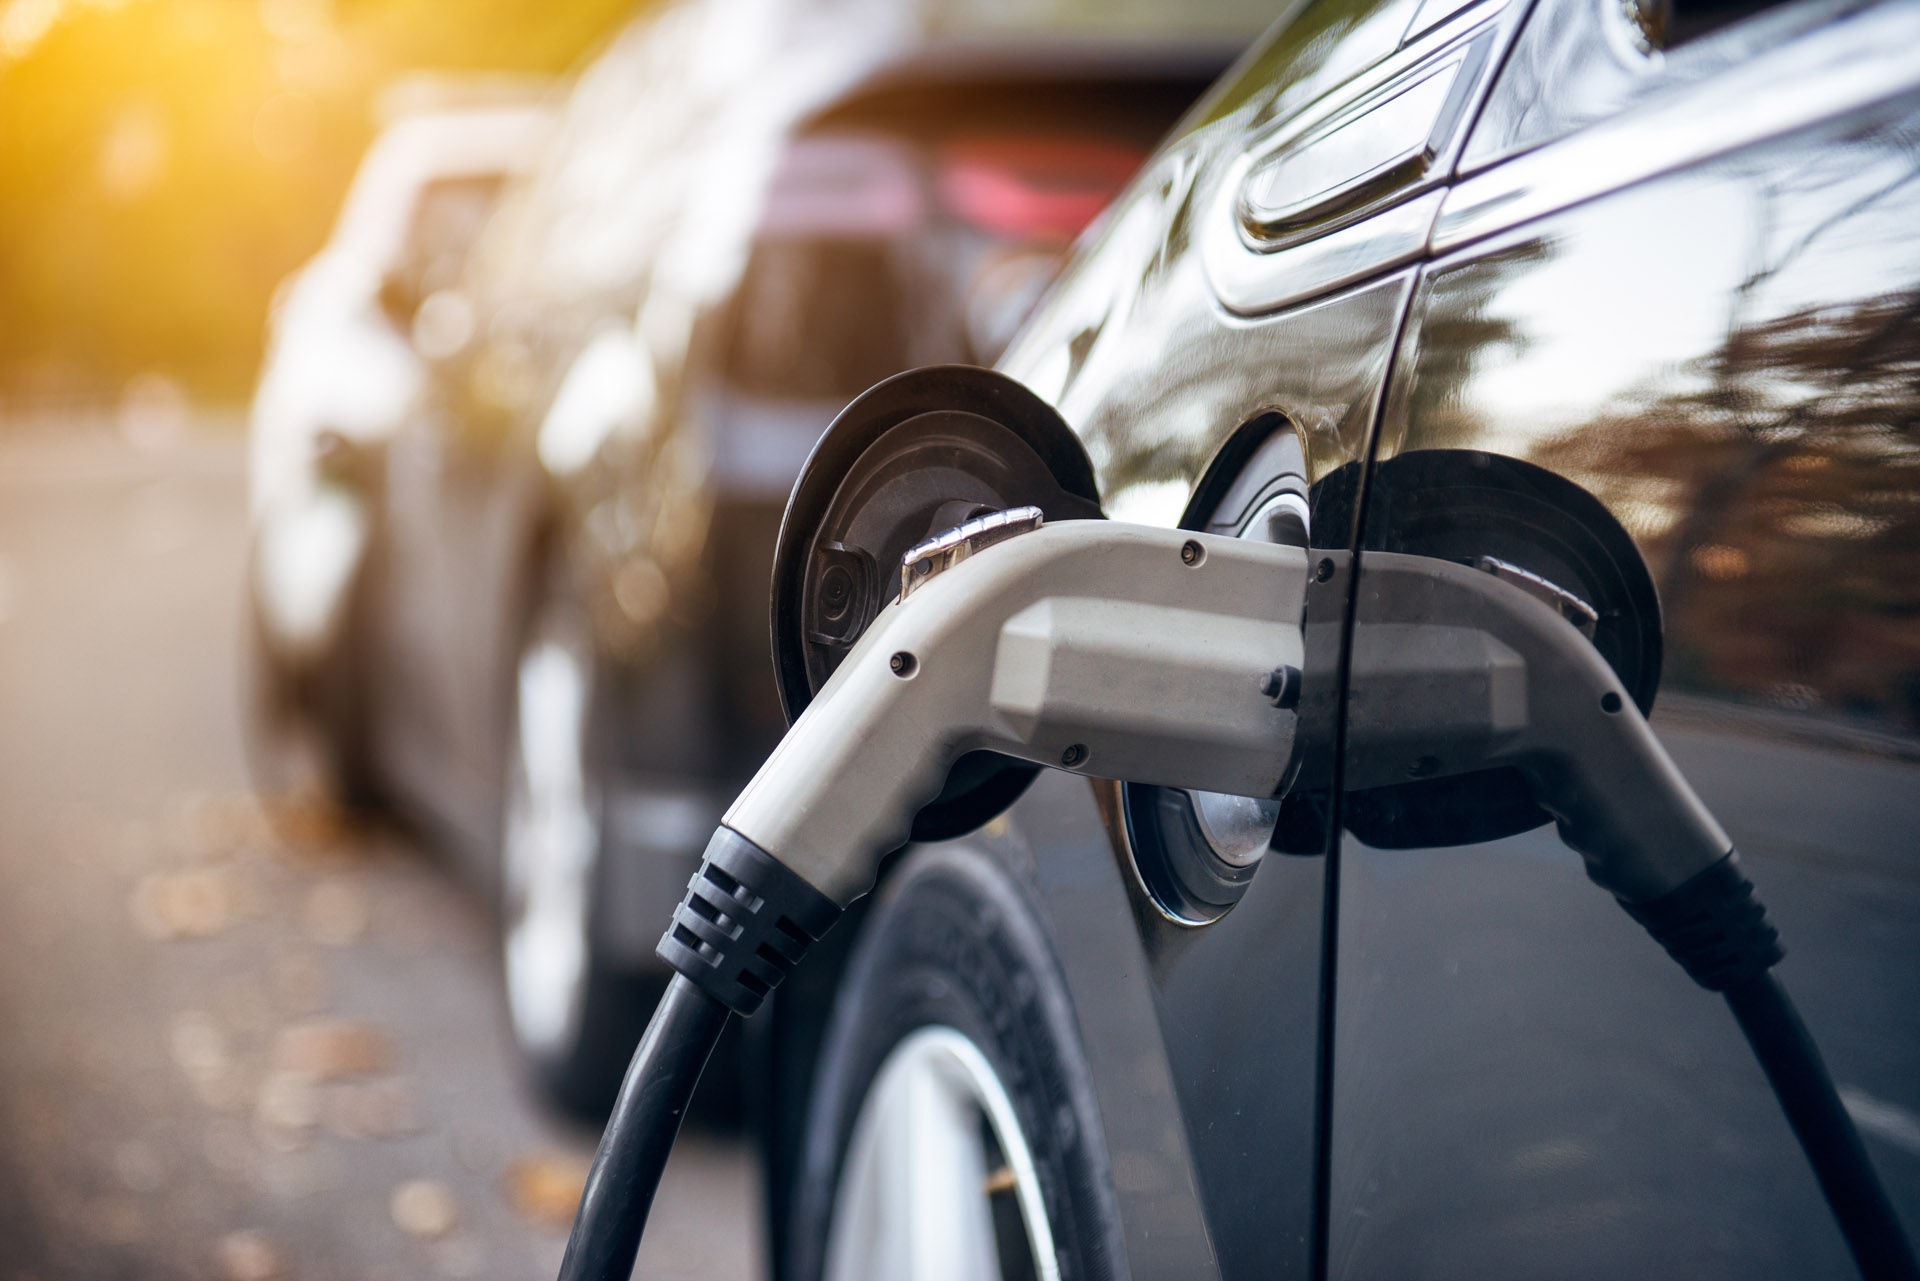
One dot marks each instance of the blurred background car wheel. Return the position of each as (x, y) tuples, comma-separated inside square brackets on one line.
[(308, 726), (953, 1118), (574, 1015)]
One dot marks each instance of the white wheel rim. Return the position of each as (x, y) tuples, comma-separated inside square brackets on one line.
[(914, 1202), (549, 844)]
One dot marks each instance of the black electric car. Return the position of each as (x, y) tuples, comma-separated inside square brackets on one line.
[(557, 656), (1616, 301)]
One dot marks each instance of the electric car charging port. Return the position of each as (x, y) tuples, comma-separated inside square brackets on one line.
[(1195, 851)]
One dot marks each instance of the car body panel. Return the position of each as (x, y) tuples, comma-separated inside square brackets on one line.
[(1717, 345), (1162, 384), (1524, 1085)]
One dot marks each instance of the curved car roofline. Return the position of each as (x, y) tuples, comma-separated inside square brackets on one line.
[(929, 72)]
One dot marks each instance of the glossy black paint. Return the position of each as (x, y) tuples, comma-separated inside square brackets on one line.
[(1709, 328), (1737, 386), (1203, 1041)]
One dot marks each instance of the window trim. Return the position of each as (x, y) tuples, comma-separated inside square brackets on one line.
[(1380, 219), (1849, 66)]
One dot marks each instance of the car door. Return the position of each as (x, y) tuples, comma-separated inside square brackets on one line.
[(1222, 347), (1687, 281)]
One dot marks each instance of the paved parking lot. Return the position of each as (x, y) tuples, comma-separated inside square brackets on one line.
[(240, 1041)]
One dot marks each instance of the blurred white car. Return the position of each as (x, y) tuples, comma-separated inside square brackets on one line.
[(349, 335)]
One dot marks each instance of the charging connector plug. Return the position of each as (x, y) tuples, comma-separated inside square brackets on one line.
[(1122, 651)]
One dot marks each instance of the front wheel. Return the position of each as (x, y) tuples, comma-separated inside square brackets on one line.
[(953, 1131), (575, 1017)]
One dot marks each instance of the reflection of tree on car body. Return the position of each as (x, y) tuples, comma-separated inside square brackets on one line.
[(1793, 520)]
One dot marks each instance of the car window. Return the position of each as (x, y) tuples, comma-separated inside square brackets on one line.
[(447, 218), (1347, 145), (817, 318), (574, 224), (869, 246), (1313, 48), (974, 19), (1581, 61)]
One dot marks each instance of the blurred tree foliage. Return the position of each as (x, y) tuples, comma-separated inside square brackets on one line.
[(165, 163)]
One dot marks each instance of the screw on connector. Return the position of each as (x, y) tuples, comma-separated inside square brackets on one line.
[(1192, 553), (1074, 755), (902, 664), (1282, 686), (1323, 572)]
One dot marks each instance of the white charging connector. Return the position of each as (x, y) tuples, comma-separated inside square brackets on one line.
[(1122, 651)]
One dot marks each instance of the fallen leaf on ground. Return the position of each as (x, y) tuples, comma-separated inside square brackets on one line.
[(246, 1256), (424, 1208), (215, 827), (306, 822), (373, 1110), (546, 1187), (332, 1050), (336, 913), (194, 904), (300, 983), (288, 1105), (198, 1045)]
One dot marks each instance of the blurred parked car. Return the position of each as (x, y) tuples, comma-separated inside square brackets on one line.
[(749, 211), (1624, 296), (342, 371)]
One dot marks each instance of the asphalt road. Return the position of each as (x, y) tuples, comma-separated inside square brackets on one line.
[(239, 1041)]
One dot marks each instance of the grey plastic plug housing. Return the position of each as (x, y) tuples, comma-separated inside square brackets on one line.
[(1454, 669), (1122, 651)]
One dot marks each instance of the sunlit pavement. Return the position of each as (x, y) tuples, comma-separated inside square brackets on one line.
[(239, 1042)]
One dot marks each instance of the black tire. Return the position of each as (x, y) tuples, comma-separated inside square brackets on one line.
[(952, 943), (316, 721), (576, 1051), (343, 713)]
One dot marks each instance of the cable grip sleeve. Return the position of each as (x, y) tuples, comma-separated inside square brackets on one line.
[(746, 921), (1713, 926)]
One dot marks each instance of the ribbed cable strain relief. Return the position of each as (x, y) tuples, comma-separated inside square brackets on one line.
[(1714, 926), (745, 923)]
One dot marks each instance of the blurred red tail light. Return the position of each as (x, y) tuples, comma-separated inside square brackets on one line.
[(1033, 188)]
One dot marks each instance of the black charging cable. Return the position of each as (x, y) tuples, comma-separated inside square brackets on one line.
[(747, 920), (745, 923), (1714, 926), (639, 1135)]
